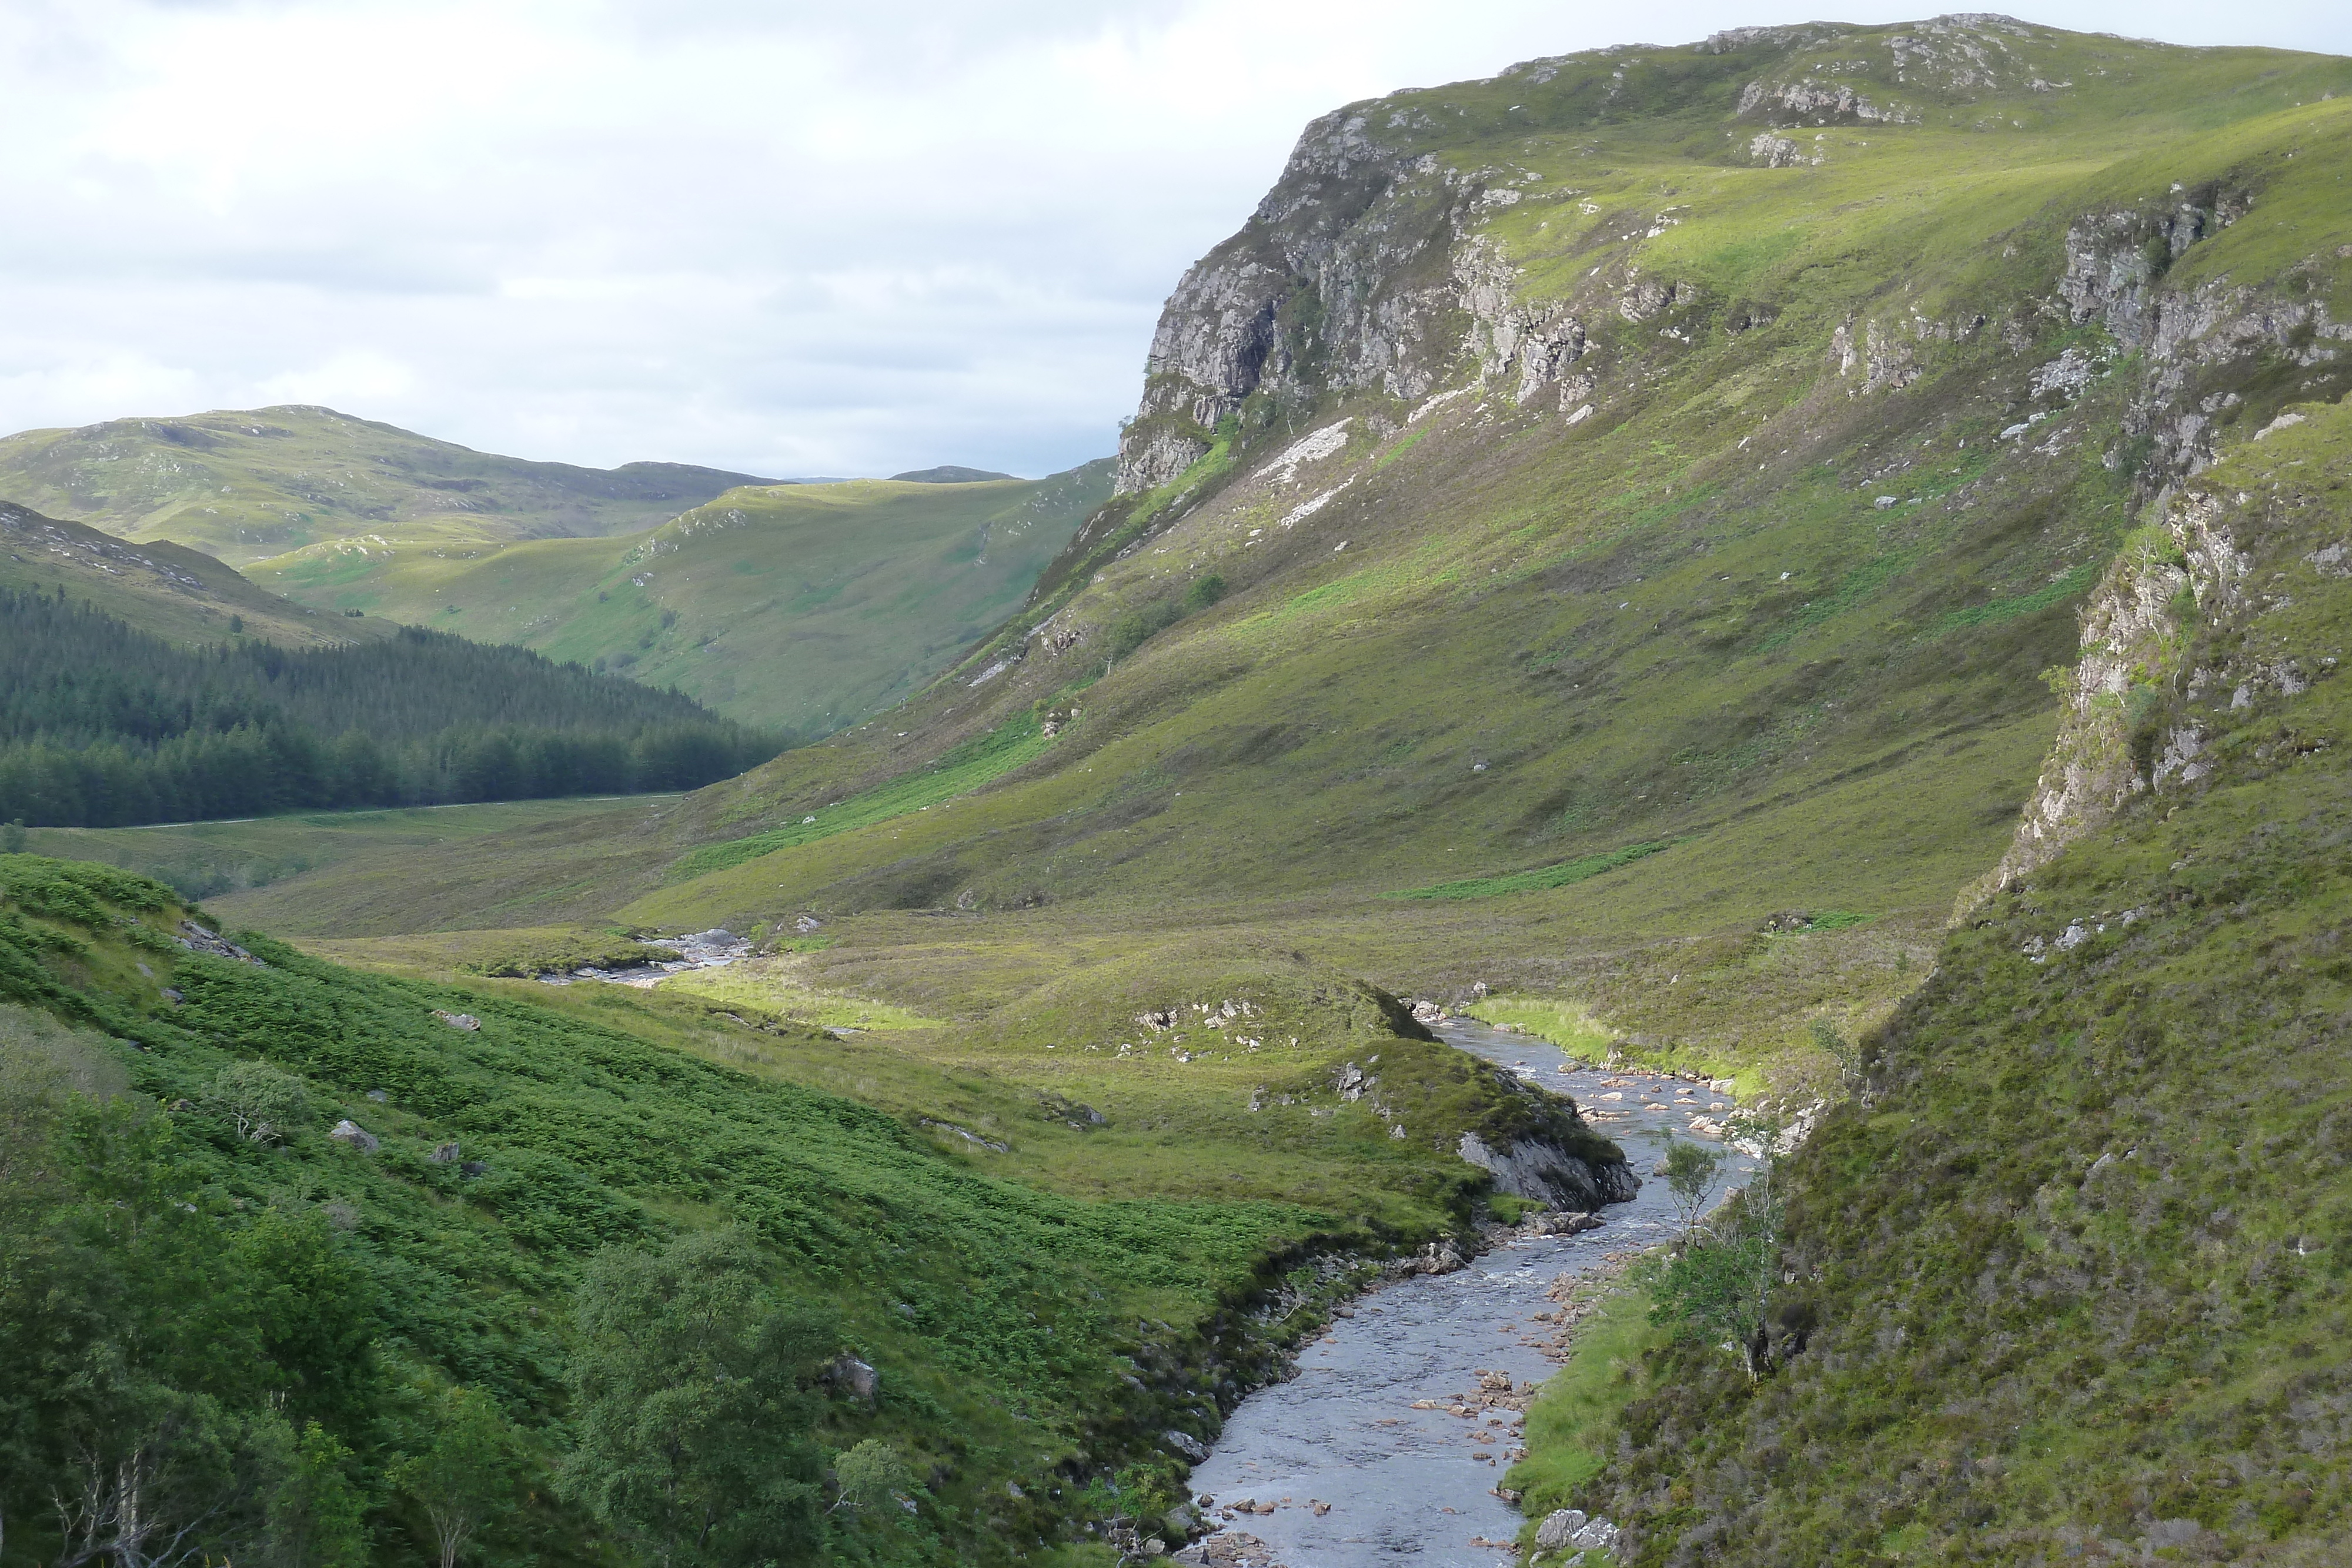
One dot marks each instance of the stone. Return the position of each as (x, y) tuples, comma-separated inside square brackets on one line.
[(1598, 1535), (858, 1379), (466, 1021), (358, 1138), (474, 1169), (1532, 1168), (196, 939), (1184, 1443), (445, 1154), (1553, 1534)]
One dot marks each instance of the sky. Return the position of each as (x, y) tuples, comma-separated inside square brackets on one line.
[(784, 239)]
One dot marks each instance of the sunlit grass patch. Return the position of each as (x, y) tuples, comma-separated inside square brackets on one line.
[(1571, 1425), (959, 772), (768, 987)]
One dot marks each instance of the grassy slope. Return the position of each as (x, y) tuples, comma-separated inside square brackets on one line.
[(176, 593), (246, 483), (1012, 1296), (2076, 1275), (1684, 620), (802, 606)]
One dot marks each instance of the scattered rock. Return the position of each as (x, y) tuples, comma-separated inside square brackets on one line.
[(1553, 1534), (358, 1138), (1598, 1535), (858, 1379), (196, 939), (445, 1154), (1184, 1443), (466, 1021)]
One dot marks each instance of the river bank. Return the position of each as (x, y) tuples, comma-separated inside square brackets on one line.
[(1390, 1439)]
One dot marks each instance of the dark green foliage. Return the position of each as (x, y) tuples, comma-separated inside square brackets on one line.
[(562, 952), (168, 1281), (102, 726), (464, 1476), (693, 1419), (1137, 627)]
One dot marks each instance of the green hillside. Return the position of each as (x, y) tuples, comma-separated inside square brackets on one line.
[(800, 606), (1790, 584), (243, 484), (300, 1260), (2071, 1280), (166, 589)]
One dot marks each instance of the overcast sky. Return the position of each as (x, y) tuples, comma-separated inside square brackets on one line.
[(787, 238)]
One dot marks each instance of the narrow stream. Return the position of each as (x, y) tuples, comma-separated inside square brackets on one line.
[(1418, 1485)]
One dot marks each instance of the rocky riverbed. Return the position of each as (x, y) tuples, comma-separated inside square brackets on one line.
[(1391, 1440), (712, 949)]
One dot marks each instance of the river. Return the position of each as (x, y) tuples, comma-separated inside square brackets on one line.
[(1417, 1486)]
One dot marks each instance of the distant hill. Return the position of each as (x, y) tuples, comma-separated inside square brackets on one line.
[(948, 474), (246, 483), (804, 606), (166, 589)]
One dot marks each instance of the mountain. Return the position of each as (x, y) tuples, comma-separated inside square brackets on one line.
[(167, 590), (245, 484), (1581, 472), (805, 607), (2062, 1280)]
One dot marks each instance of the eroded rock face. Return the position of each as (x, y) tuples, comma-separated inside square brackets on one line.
[(1546, 1174), (1350, 273)]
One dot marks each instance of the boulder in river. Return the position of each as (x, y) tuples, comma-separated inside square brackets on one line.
[(1548, 1174)]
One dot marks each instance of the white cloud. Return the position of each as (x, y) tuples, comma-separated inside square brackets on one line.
[(784, 239)]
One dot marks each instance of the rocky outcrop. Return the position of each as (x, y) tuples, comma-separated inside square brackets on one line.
[(2187, 339), (1352, 274), (1545, 1173), (2122, 733)]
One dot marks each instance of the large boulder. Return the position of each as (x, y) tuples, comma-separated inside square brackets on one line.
[(357, 1137), (1545, 1173), (1553, 1534)]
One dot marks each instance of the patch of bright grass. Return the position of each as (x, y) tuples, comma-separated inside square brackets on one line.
[(1565, 1024), (763, 984), (1571, 1427), (959, 772)]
